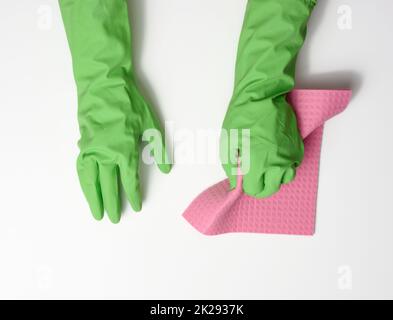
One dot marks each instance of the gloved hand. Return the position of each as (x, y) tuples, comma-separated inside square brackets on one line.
[(272, 36), (112, 113)]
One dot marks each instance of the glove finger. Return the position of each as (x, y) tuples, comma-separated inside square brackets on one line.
[(160, 153), (89, 179), (155, 136), (163, 160), (289, 176), (130, 181), (272, 182), (110, 191), (253, 183)]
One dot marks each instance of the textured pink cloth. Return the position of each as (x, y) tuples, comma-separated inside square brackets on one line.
[(291, 211)]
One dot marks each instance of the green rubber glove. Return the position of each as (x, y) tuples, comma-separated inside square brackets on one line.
[(112, 113), (272, 36)]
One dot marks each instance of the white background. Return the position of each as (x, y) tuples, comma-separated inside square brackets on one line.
[(50, 246)]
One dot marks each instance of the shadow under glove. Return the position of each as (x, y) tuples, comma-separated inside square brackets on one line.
[(273, 34), (112, 113)]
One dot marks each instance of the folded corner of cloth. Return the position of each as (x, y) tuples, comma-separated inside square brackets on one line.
[(292, 211)]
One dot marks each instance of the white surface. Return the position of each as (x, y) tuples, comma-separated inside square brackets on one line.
[(185, 50)]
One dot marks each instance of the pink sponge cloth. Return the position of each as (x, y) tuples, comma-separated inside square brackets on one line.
[(291, 211)]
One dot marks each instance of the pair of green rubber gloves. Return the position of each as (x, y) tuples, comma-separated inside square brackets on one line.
[(113, 115)]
